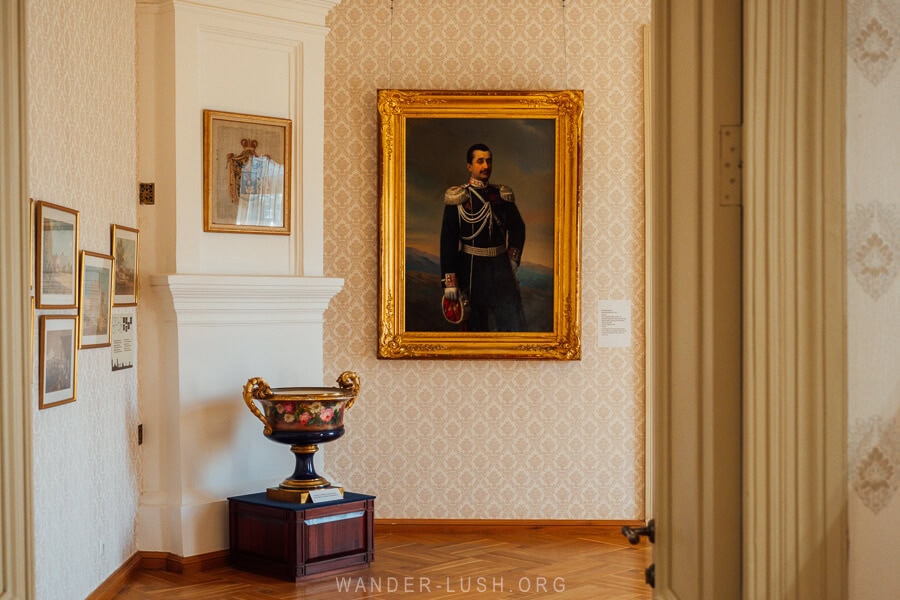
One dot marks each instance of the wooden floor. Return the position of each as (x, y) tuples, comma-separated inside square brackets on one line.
[(595, 564)]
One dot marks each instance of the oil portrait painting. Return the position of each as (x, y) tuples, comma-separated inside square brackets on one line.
[(479, 224)]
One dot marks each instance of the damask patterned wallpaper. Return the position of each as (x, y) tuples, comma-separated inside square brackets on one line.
[(81, 154), (453, 439), (873, 294), (490, 439)]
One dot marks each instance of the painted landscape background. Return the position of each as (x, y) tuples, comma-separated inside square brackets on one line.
[(524, 152), (424, 292)]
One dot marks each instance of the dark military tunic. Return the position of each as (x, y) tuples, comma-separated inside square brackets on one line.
[(482, 235)]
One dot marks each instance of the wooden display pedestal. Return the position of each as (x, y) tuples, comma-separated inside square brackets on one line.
[(300, 541)]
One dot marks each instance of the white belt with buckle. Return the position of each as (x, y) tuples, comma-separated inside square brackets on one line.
[(476, 251)]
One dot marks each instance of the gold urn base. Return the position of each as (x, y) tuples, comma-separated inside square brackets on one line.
[(296, 488), (294, 496)]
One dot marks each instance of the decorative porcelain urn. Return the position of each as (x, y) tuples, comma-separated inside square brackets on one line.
[(303, 418)]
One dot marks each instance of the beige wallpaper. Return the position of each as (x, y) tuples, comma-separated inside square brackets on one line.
[(490, 439), (873, 315), (81, 154)]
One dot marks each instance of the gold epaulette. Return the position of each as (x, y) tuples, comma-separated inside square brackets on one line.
[(506, 193), (455, 195)]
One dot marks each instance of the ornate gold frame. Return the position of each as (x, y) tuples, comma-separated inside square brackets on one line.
[(565, 108), (219, 155)]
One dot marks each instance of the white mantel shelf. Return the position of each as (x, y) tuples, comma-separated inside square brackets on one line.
[(246, 299)]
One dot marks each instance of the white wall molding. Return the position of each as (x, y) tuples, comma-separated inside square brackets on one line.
[(190, 57), (244, 300), (302, 11)]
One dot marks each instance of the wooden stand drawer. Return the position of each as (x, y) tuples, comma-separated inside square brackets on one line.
[(297, 541)]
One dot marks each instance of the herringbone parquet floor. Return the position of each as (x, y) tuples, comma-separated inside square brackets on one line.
[(564, 563)]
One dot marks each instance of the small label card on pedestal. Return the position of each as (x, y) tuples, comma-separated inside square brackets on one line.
[(326, 495)]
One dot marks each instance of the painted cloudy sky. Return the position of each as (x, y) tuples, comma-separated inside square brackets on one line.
[(524, 154)]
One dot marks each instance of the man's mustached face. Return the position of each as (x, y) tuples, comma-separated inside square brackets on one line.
[(481, 165)]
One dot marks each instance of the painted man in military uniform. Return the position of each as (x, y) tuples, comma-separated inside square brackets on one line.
[(482, 237)]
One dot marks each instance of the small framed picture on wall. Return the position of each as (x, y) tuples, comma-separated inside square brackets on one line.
[(58, 360), (125, 254), (96, 299), (246, 173), (56, 258)]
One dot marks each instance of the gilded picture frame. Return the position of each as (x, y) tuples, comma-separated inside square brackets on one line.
[(56, 256), (535, 141), (96, 300), (124, 246), (246, 173), (58, 360)]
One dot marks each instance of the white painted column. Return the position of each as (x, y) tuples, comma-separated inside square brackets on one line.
[(222, 307)]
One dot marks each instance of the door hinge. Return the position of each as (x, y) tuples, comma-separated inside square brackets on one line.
[(730, 165)]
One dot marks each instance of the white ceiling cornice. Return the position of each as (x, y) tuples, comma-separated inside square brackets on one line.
[(309, 12)]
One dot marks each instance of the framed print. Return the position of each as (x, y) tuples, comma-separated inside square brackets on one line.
[(125, 256), (96, 299), (124, 336), (246, 173), (58, 360), (479, 224), (56, 243)]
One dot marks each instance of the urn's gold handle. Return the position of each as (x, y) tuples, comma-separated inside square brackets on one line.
[(348, 380), (257, 387)]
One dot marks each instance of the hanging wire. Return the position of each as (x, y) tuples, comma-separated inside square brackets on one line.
[(565, 47), (391, 50)]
